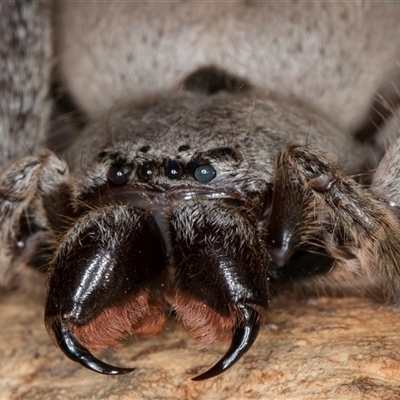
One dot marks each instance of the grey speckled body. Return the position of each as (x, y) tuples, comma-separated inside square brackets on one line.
[(175, 197), (332, 56)]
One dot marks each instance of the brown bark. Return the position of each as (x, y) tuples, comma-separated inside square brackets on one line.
[(312, 349)]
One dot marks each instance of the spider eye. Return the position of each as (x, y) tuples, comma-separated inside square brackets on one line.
[(204, 173), (145, 171), (173, 170), (144, 149), (116, 176)]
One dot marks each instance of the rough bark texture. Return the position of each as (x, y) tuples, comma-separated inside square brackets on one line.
[(312, 349)]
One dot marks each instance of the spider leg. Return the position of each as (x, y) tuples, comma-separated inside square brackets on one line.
[(351, 223), (34, 193), (386, 180)]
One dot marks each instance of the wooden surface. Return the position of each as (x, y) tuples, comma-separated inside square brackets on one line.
[(312, 349)]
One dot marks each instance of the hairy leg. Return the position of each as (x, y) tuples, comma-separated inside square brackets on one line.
[(25, 69), (357, 227), (31, 191)]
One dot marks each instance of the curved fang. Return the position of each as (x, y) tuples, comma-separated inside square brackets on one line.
[(76, 352), (243, 338)]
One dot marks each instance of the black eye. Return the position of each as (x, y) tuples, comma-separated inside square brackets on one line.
[(173, 170), (116, 176), (145, 171), (204, 173), (223, 154), (184, 147), (144, 149)]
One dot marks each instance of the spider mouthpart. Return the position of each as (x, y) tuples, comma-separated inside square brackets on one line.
[(243, 338), (80, 354), (280, 255)]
